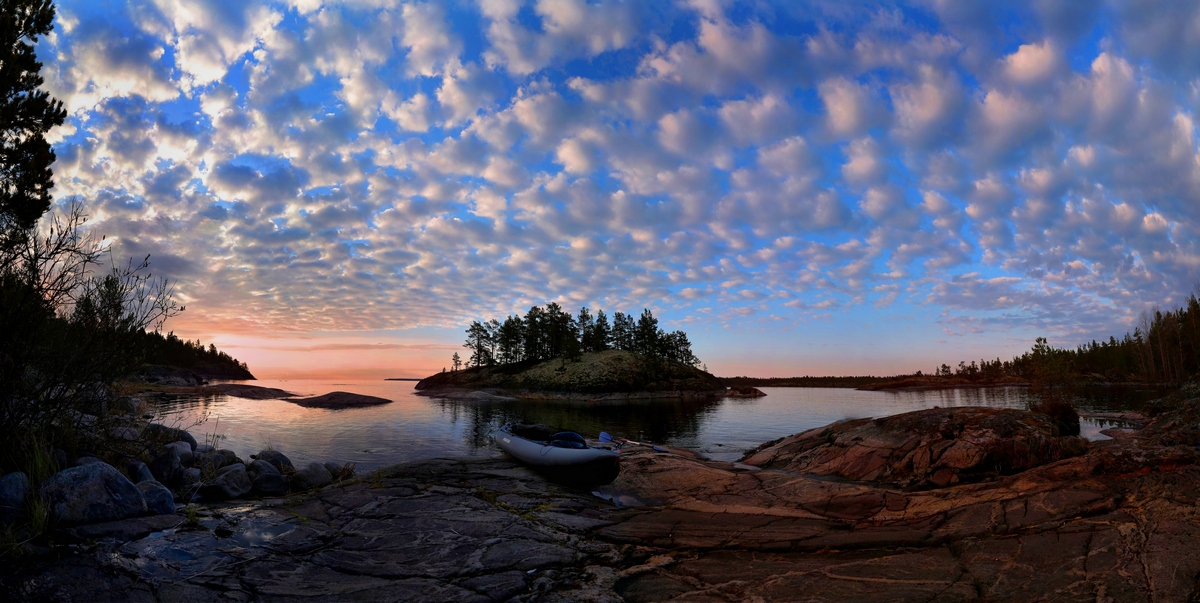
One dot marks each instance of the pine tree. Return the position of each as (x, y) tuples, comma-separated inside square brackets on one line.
[(26, 115)]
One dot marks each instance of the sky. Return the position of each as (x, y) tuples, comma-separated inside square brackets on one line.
[(338, 188)]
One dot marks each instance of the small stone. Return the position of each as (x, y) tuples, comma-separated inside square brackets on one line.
[(159, 500), (14, 487), (91, 493), (139, 472), (281, 462), (314, 475)]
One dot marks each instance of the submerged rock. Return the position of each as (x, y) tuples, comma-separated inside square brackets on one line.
[(14, 487), (159, 500), (91, 493), (936, 447), (314, 475)]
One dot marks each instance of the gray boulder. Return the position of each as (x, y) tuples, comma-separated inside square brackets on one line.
[(86, 459), (14, 487), (260, 467), (270, 484), (233, 483), (161, 433), (208, 461), (184, 450), (126, 405), (139, 472), (333, 468), (276, 458), (203, 448), (228, 468), (159, 500), (314, 475), (128, 434), (166, 467), (91, 493), (231, 457)]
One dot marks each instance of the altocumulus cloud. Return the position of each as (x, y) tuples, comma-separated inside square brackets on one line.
[(338, 166)]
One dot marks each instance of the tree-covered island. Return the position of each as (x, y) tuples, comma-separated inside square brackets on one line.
[(550, 352)]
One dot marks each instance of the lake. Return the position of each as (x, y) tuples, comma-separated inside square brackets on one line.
[(417, 427)]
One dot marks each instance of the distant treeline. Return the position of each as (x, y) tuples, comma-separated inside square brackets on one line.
[(170, 350), (804, 381), (1163, 348), (551, 332)]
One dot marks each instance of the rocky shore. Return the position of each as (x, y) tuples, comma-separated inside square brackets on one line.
[(927, 506)]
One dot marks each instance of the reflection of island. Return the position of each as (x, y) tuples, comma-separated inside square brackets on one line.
[(655, 420)]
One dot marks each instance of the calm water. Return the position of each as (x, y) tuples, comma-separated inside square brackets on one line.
[(416, 427)]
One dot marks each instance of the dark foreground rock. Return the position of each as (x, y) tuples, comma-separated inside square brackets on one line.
[(339, 400), (1115, 523), (14, 487), (251, 392), (91, 493)]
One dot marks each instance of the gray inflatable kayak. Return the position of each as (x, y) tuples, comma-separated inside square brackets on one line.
[(564, 454)]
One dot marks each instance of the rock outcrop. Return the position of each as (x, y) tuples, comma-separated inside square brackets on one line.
[(923, 448), (337, 400)]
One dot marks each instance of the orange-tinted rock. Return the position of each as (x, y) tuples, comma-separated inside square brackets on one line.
[(927, 448)]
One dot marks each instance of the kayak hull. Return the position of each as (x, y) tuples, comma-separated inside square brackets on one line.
[(584, 465)]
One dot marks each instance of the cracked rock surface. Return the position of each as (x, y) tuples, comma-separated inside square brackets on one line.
[(1118, 522)]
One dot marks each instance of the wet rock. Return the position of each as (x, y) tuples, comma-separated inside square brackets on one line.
[(125, 530), (91, 493), (928, 448), (314, 475), (166, 467), (203, 448), (86, 459), (334, 469), (208, 461), (138, 472), (14, 487), (270, 484), (159, 500), (184, 450), (232, 483), (162, 434), (276, 458)]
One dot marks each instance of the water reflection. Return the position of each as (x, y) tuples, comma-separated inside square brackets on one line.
[(415, 427)]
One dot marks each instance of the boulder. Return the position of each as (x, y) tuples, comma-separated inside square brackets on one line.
[(159, 500), (203, 448), (233, 483), (231, 457), (91, 493), (166, 467), (276, 458), (925, 448), (208, 460), (191, 476), (260, 467), (126, 405), (184, 450), (128, 434), (14, 487), (86, 459), (270, 484), (139, 472), (228, 468), (314, 475), (333, 468), (155, 432)]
